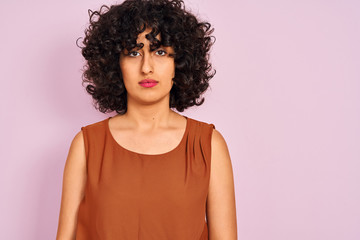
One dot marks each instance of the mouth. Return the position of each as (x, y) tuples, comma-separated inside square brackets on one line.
[(148, 83)]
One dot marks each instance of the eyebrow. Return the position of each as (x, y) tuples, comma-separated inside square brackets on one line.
[(141, 47), (171, 53)]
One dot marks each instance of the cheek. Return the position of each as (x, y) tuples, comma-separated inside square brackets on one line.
[(169, 70), (126, 71), (126, 67), (122, 67)]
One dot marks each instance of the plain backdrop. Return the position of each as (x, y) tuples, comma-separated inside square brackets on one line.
[(286, 98)]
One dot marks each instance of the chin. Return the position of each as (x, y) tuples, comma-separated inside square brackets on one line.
[(152, 99)]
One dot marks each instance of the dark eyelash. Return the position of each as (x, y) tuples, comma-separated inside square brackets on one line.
[(162, 50), (129, 53)]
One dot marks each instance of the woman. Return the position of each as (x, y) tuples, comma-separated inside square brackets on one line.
[(145, 173)]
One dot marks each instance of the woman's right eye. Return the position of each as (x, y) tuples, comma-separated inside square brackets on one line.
[(133, 54)]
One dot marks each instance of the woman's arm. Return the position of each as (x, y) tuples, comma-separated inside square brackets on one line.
[(221, 209), (74, 180)]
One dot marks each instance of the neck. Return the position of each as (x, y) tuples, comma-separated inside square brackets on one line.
[(149, 116)]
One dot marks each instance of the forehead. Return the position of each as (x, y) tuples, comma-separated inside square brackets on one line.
[(142, 36), (148, 40)]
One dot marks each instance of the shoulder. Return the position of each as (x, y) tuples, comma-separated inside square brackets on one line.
[(202, 124), (76, 155), (98, 127), (218, 141), (219, 148), (97, 124), (92, 133), (220, 156)]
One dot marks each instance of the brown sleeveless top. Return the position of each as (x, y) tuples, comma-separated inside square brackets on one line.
[(134, 196)]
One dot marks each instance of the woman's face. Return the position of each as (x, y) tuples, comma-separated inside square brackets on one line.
[(140, 64)]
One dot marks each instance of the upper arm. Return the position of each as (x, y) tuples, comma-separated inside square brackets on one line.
[(221, 212), (74, 179)]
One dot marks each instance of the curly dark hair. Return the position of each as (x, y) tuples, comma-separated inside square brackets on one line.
[(115, 28)]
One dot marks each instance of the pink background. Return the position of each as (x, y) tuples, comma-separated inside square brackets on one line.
[(286, 98)]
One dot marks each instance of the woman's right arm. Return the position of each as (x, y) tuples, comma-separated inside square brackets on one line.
[(74, 179)]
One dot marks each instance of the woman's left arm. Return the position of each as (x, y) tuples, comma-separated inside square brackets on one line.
[(221, 209)]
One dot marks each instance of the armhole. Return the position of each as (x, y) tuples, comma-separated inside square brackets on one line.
[(86, 144), (211, 128)]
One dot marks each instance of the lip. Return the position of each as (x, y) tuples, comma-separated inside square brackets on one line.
[(148, 83)]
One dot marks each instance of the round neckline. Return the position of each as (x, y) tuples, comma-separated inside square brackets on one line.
[(144, 154)]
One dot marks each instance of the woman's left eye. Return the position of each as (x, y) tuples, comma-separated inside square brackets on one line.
[(161, 52)]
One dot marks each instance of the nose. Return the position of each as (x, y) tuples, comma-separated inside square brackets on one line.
[(147, 64)]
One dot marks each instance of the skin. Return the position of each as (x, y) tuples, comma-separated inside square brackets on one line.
[(151, 127)]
